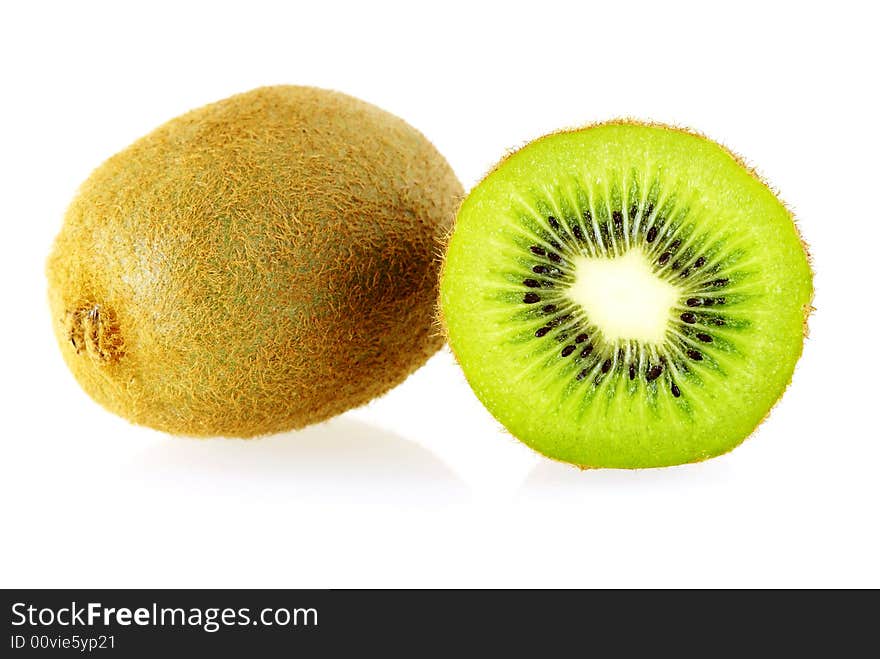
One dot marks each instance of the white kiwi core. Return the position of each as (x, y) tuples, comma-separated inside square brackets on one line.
[(623, 296)]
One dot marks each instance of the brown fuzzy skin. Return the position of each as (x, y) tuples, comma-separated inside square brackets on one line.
[(255, 265)]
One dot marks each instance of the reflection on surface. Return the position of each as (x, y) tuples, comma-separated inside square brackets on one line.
[(341, 460), (549, 475)]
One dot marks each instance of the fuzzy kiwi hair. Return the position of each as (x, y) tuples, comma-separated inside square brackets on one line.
[(667, 206), (255, 265)]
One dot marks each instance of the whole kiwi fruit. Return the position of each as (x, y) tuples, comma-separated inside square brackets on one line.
[(256, 265), (626, 295)]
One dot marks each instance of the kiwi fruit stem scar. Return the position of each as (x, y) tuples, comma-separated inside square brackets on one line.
[(626, 295)]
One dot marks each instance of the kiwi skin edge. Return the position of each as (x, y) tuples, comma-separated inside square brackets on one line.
[(808, 308), (255, 265)]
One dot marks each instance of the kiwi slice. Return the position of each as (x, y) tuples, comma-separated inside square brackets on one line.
[(626, 295)]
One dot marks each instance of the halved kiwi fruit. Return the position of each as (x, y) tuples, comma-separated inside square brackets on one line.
[(626, 295)]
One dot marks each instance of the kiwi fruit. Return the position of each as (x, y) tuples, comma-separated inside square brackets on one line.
[(256, 265), (626, 295)]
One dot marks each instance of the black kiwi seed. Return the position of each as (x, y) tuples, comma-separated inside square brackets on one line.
[(532, 283), (708, 302), (675, 390), (688, 317), (540, 251), (652, 234), (578, 233), (541, 269), (664, 258), (548, 308), (541, 331), (606, 366), (719, 283), (583, 374), (633, 210), (554, 257), (653, 373), (531, 298), (553, 222), (696, 355), (700, 262), (718, 321), (705, 338), (580, 338), (586, 351), (693, 302), (567, 350), (675, 245), (632, 372)]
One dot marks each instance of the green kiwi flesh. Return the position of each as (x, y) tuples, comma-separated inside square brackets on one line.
[(626, 295)]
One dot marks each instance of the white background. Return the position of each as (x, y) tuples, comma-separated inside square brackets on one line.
[(422, 488)]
